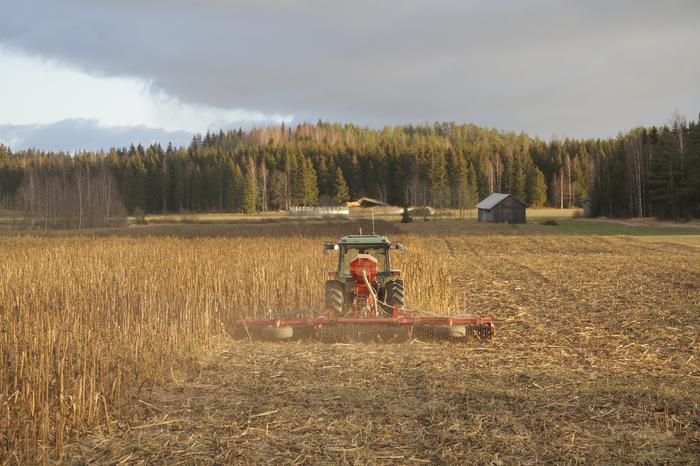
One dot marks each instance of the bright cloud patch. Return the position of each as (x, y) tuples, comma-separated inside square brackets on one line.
[(34, 91)]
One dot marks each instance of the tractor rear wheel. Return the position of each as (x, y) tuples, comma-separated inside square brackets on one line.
[(395, 294), (334, 297)]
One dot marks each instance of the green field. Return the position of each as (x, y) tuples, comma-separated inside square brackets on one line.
[(545, 221)]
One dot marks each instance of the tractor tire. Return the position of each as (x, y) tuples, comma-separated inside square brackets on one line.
[(395, 294), (276, 333), (334, 297)]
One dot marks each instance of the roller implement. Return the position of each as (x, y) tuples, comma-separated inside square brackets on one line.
[(364, 300)]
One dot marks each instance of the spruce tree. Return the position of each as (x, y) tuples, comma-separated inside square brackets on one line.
[(665, 175), (472, 188), (297, 182), (309, 183), (235, 191), (250, 189), (536, 188), (439, 184), (341, 187), (692, 182), (458, 176)]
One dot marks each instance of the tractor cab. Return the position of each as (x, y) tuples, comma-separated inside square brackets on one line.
[(368, 253), (349, 247)]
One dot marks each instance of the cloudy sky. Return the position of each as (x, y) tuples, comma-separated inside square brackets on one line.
[(96, 73)]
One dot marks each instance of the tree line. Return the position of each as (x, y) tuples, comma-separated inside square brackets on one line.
[(645, 171)]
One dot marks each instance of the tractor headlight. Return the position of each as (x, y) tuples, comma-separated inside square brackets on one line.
[(328, 247)]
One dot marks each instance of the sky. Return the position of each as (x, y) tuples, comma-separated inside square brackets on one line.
[(90, 74)]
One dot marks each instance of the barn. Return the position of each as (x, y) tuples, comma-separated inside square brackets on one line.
[(365, 202), (501, 208)]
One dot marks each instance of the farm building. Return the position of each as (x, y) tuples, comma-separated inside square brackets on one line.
[(366, 202), (501, 208)]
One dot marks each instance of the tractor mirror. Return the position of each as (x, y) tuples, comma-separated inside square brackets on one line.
[(328, 247), (398, 246)]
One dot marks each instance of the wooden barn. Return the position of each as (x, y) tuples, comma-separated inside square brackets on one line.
[(366, 202), (501, 208)]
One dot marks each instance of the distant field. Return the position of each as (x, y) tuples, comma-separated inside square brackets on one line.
[(380, 213), (545, 221), (213, 217)]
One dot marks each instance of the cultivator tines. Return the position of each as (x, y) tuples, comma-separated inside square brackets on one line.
[(361, 331), (481, 332), (399, 328), (454, 332)]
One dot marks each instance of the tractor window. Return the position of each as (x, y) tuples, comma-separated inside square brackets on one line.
[(348, 254)]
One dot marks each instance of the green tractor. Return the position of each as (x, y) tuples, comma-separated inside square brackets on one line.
[(364, 273)]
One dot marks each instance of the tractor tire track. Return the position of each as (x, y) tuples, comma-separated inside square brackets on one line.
[(508, 314)]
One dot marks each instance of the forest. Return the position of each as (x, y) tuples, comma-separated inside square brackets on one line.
[(642, 172)]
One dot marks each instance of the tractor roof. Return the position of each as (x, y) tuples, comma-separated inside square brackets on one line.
[(364, 239)]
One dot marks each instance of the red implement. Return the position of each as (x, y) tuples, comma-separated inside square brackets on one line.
[(364, 299), (399, 326)]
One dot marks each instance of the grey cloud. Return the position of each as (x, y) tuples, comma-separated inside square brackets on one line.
[(578, 68), (82, 134)]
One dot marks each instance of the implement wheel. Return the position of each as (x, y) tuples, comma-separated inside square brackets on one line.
[(334, 297), (276, 333), (451, 331)]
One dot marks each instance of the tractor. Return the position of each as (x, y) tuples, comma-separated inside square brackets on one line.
[(364, 284), (364, 300)]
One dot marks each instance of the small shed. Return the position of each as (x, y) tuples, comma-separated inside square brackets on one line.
[(501, 208)]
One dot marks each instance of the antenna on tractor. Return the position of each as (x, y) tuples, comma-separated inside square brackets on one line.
[(373, 223)]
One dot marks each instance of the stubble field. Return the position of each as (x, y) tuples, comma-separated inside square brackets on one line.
[(116, 349)]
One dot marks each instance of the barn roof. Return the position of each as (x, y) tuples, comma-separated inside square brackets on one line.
[(364, 239), (493, 200), (365, 201)]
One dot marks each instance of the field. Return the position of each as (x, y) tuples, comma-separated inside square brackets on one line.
[(115, 348)]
